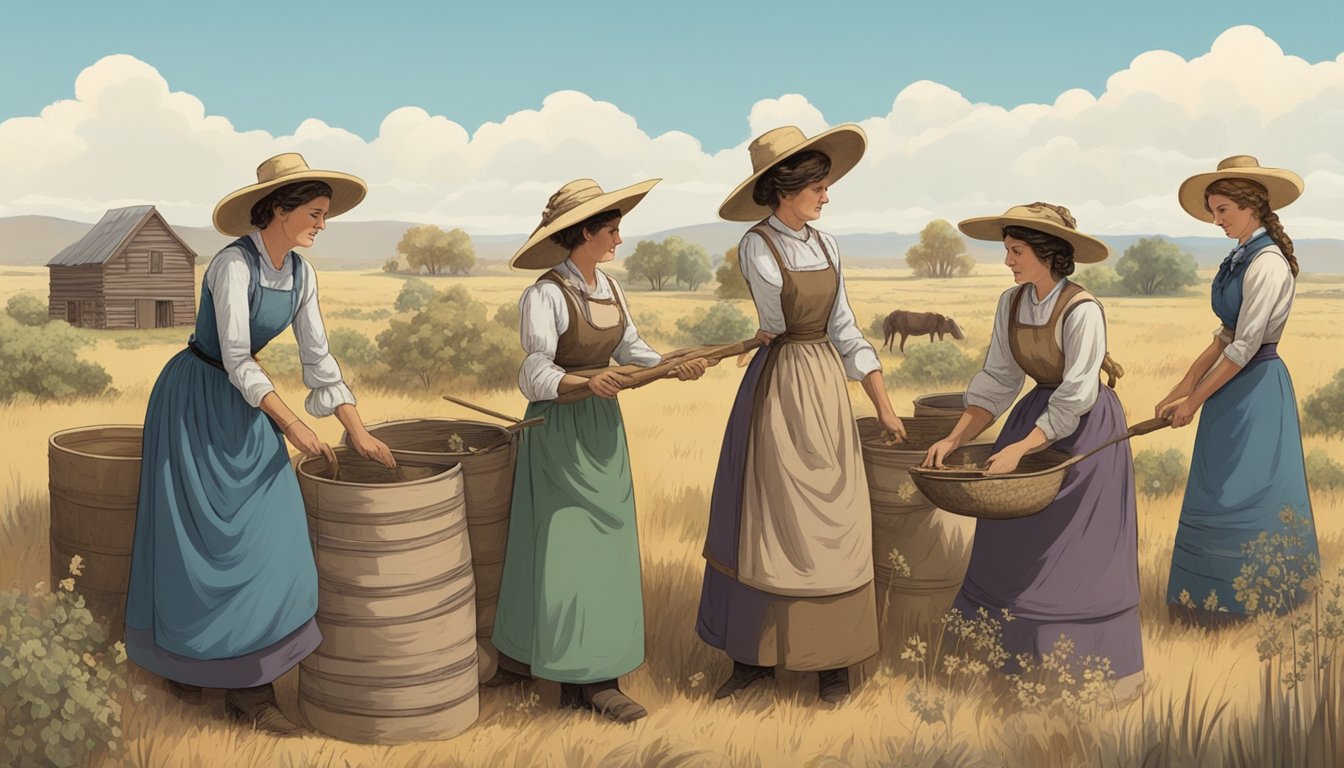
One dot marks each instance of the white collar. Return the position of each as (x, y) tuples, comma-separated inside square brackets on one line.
[(798, 234), (1031, 292), (266, 262), (571, 273)]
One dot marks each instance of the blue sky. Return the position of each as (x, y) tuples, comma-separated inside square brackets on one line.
[(687, 66)]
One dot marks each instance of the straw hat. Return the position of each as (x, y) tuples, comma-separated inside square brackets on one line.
[(233, 215), (1086, 249), (573, 203), (1284, 186), (844, 145)]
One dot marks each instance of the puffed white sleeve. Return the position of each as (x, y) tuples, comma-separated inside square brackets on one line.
[(1000, 380), (632, 350), (1266, 295), (762, 275), (327, 389), (856, 353), (227, 277), (543, 317), (1084, 342)]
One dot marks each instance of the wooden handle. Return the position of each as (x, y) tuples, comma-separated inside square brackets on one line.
[(1151, 425), (641, 376), (480, 409)]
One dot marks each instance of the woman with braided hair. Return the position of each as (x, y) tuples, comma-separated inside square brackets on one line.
[(1247, 467), (1072, 569)]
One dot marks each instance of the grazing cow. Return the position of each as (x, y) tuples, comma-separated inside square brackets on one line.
[(917, 324)]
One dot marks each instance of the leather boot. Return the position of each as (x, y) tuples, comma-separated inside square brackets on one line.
[(833, 685), (257, 707), (743, 676), (604, 698)]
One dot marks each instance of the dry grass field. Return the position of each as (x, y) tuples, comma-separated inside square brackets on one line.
[(674, 434)]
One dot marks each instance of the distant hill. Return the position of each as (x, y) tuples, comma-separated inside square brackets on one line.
[(33, 240)]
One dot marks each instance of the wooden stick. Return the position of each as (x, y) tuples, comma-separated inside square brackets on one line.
[(641, 376), (486, 411)]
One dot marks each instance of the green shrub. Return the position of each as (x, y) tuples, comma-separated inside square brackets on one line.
[(450, 340), (1160, 473), (1324, 472), (280, 360), (132, 342), (59, 678), (876, 331), (1323, 411), (44, 361), (414, 295), (722, 323), (939, 363), (27, 309), (1100, 280), (649, 324)]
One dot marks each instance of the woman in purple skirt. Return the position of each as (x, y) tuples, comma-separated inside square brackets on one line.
[(1070, 570)]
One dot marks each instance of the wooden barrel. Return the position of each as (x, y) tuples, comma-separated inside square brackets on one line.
[(488, 479), (395, 603), (933, 545), (94, 478), (941, 404)]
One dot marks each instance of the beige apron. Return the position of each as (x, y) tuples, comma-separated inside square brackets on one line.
[(806, 526)]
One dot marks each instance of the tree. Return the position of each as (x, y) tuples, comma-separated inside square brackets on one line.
[(732, 285), (392, 266), (652, 262), (693, 268), (941, 252), (435, 250), (1155, 266), (414, 295), (1323, 410), (450, 339), (27, 309)]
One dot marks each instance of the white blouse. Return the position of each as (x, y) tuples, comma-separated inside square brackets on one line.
[(801, 252), (545, 316), (1083, 339), (227, 277), (1266, 301)]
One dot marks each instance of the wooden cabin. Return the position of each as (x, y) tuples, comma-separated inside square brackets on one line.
[(130, 271)]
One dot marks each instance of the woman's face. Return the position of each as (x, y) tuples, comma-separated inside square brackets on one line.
[(1021, 258), (301, 225), (1237, 222), (805, 204), (601, 245)]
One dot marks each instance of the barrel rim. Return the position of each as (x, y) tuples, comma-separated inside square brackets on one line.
[(454, 470), (52, 443), (923, 399), (345, 436)]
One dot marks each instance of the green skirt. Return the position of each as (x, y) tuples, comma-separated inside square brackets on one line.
[(571, 604)]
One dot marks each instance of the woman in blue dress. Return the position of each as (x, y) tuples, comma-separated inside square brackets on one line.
[(223, 587), (1247, 466)]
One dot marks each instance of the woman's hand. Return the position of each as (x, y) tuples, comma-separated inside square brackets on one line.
[(939, 451), (1182, 390), (302, 437), (1182, 413), (607, 384), (692, 369), (372, 448), (1006, 460), (765, 337), (893, 425)]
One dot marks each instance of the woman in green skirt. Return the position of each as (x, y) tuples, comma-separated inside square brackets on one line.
[(571, 605)]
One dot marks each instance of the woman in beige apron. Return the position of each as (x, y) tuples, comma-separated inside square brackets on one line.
[(789, 579)]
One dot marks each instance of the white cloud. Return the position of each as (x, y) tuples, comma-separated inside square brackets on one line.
[(1115, 159)]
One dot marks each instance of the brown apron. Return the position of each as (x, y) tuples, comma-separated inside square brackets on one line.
[(596, 327), (1039, 349)]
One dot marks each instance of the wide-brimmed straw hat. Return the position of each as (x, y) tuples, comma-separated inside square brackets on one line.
[(1086, 249), (843, 144), (233, 215), (573, 203), (1284, 186)]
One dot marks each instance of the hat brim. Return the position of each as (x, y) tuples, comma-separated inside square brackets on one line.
[(1086, 249), (1283, 186), (539, 252), (233, 214), (844, 145)]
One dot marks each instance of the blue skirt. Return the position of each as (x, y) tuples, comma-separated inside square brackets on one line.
[(1246, 472), (223, 586)]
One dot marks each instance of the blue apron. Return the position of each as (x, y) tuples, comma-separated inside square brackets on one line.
[(221, 567), (1247, 466)]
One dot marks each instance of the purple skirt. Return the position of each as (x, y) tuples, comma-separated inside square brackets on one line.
[(1073, 568)]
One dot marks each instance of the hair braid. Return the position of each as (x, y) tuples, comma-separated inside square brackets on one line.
[(1252, 194)]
